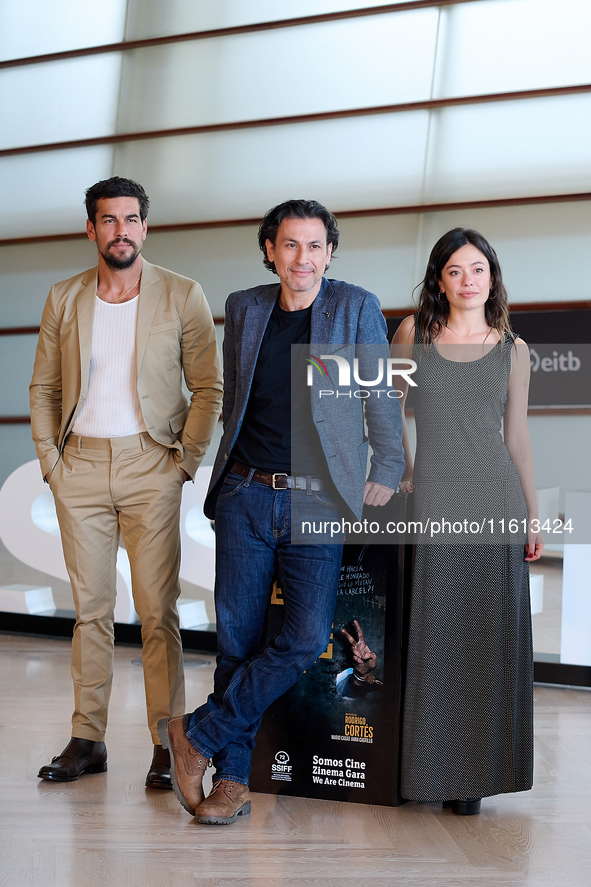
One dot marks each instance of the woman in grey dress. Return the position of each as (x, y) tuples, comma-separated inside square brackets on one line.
[(467, 722)]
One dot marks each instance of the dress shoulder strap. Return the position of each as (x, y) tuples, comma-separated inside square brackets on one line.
[(418, 335)]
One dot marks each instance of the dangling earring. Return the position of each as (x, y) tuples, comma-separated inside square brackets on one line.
[(442, 296)]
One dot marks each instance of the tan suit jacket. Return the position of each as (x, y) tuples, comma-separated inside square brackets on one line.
[(175, 336)]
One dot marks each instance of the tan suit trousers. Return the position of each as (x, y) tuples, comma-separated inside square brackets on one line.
[(103, 487)]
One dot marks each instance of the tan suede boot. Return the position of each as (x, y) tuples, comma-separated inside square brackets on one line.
[(187, 765), (225, 802)]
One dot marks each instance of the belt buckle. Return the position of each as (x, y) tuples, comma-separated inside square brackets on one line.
[(279, 474)]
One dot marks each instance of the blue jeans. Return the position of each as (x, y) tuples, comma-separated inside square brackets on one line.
[(253, 530)]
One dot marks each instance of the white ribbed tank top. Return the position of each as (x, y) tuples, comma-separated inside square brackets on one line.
[(112, 407)]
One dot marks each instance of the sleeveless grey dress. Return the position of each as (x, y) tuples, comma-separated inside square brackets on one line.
[(468, 707)]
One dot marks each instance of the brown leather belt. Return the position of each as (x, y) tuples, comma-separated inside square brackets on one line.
[(279, 480)]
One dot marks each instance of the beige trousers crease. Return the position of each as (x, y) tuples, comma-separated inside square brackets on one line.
[(105, 488)]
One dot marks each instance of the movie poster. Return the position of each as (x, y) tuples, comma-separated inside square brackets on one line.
[(331, 736)]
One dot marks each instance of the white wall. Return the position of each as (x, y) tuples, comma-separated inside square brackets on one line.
[(541, 249)]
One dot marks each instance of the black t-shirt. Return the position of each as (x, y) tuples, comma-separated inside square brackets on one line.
[(278, 433)]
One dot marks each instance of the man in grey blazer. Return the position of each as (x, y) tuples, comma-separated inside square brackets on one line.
[(116, 440), (289, 448)]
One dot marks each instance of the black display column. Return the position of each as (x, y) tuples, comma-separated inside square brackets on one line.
[(330, 736)]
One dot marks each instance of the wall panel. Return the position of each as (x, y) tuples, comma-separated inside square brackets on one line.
[(505, 45), (354, 63), (35, 27), (385, 254), (59, 101), (241, 174), (44, 193), (510, 149), (152, 18), (17, 354)]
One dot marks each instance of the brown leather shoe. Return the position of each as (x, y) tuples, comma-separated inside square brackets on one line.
[(187, 765), (159, 772), (79, 756), (225, 802)]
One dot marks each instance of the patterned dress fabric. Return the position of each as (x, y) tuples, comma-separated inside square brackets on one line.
[(468, 709)]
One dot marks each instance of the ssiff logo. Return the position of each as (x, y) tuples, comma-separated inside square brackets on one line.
[(281, 769)]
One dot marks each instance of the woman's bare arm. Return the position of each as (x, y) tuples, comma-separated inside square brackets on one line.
[(402, 346), (518, 442)]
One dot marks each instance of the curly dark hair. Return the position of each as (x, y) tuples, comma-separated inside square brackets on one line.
[(116, 187), (433, 309), (296, 209)]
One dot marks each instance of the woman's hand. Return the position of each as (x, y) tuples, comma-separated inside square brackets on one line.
[(533, 546), (405, 485)]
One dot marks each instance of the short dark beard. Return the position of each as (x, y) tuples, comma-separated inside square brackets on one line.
[(121, 264)]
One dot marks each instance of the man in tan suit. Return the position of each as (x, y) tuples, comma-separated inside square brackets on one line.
[(116, 440)]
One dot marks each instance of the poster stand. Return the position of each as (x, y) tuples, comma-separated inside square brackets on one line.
[(332, 736)]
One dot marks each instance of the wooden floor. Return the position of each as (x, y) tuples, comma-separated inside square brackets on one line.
[(108, 830)]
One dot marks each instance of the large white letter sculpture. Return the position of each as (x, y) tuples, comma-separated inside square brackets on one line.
[(30, 531)]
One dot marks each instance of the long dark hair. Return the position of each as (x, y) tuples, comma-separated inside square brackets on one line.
[(434, 308)]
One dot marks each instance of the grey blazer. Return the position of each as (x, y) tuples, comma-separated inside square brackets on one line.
[(342, 315)]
